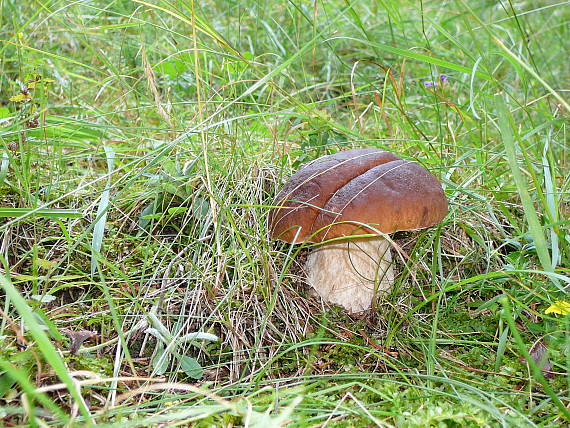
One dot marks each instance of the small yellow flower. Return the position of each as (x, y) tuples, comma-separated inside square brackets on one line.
[(559, 307), (21, 98)]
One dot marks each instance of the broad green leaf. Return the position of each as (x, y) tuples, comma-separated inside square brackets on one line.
[(157, 216), (161, 359), (172, 68), (45, 264), (200, 207), (191, 367), (6, 383), (177, 210), (149, 213)]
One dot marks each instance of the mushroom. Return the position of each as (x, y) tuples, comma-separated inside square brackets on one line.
[(356, 192)]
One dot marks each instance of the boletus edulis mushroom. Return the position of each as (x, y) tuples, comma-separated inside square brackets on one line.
[(355, 192)]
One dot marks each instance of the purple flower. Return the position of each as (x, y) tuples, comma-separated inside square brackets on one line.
[(442, 80)]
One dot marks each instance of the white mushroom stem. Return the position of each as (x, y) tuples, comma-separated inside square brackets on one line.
[(351, 272)]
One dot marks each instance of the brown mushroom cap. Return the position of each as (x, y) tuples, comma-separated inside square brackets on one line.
[(337, 192)]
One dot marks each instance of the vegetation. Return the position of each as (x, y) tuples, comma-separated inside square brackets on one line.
[(142, 143)]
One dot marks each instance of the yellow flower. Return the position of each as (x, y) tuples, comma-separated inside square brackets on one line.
[(559, 307), (20, 98)]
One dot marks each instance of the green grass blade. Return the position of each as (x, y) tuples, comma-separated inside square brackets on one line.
[(522, 186), (533, 73), (501, 348), (54, 56), (551, 201), (44, 344), (21, 377), (536, 372), (4, 165), (419, 57), (102, 210), (40, 212)]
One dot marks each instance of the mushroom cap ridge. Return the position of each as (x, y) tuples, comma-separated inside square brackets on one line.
[(336, 192)]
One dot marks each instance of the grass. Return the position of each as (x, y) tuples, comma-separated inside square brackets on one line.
[(141, 146)]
